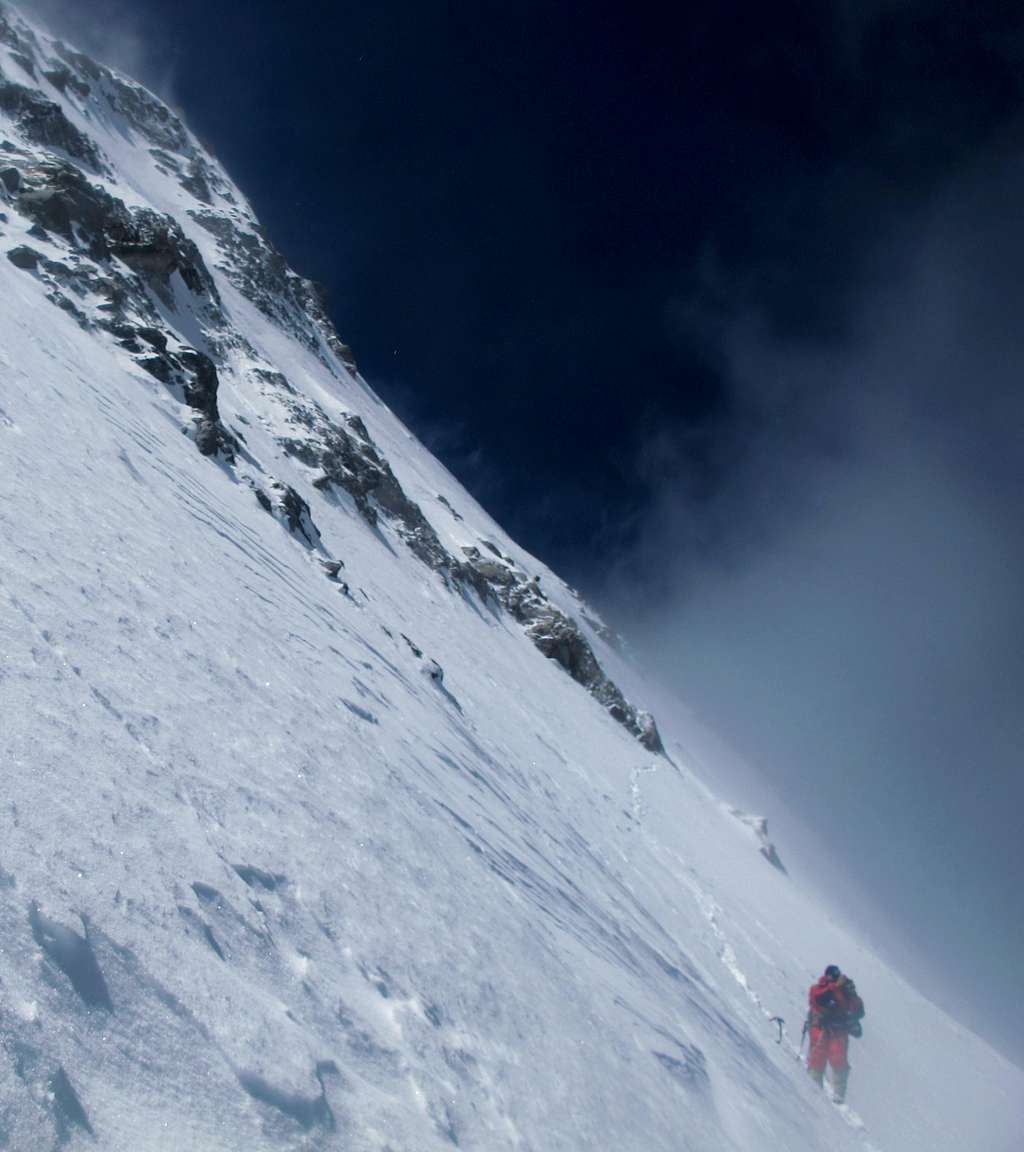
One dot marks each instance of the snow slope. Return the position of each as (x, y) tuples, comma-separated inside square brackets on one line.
[(268, 880)]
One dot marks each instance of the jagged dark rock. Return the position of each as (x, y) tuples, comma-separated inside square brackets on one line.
[(24, 257), (26, 62), (152, 244), (58, 197), (196, 181), (56, 194), (154, 337), (648, 733), (61, 200), (447, 504), (63, 79), (298, 516), (284, 503), (43, 122), (262, 274), (20, 39), (313, 298), (208, 439), (156, 246), (557, 635), (348, 458), (158, 366), (200, 383), (144, 111), (195, 374)]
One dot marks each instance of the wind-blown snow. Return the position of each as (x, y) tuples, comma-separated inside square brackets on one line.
[(268, 882)]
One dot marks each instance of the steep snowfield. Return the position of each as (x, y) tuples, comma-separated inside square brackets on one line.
[(267, 881)]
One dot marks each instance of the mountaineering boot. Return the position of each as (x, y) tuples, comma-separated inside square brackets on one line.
[(840, 1078)]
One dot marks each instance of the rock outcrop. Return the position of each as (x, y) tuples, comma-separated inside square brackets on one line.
[(557, 635), (346, 458), (758, 825), (43, 122), (122, 255), (261, 274), (60, 199)]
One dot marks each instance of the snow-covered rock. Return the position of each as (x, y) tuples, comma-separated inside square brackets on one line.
[(758, 825), (306, 843)]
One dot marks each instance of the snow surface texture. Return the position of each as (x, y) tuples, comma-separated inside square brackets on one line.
[(306, 842)]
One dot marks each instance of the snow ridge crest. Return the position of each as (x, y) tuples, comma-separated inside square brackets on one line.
[(143, 277)]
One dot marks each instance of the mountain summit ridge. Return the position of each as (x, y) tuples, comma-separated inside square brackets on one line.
[(309, 840), (102, 233)]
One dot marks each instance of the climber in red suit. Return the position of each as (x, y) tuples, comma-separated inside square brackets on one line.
[(835, 1015)]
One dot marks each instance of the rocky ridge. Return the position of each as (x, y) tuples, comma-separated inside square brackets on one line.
[(134, 276)]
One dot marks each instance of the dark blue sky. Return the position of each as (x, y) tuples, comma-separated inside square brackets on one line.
[(717, 308), (507, 203)]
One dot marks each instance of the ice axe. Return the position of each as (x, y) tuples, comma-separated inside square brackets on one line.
[(779, 1022)]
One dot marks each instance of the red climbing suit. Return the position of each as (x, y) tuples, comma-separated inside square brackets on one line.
[(835, 1007)]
